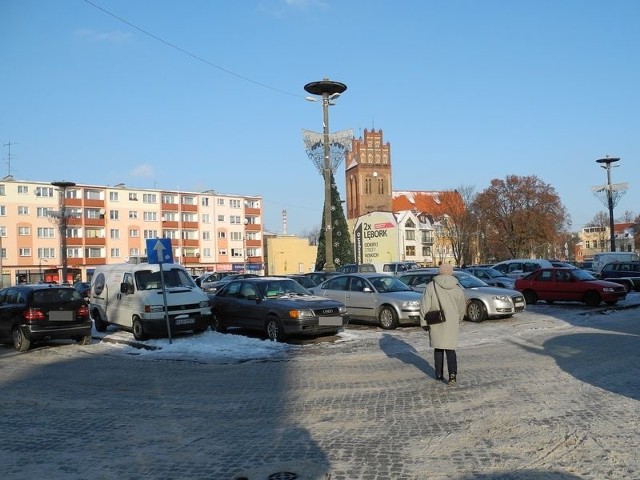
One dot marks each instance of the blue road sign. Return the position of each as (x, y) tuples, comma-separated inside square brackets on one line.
[(159, 250)]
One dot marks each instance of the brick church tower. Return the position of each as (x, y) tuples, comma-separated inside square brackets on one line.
[(368, 176)]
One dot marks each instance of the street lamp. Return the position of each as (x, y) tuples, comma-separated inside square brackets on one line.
[(606, 164), (62, 188), (329, 91)]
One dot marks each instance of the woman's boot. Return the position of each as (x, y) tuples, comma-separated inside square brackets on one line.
[(452, 378)]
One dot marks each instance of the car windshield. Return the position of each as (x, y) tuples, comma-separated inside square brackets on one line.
[(469, 281), (582, 274), (493, 273), (387, 284), (148, 280), (278, 288), (55, 296)]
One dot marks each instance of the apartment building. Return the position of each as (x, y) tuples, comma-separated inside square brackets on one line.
[(109, 224)]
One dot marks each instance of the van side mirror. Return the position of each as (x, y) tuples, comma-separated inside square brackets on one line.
[(125, 288)]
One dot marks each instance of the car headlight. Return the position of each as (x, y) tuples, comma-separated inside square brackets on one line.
[(502, 298), (411, 303), (204, 304), (608, 290), (301, 314), (342, 310)]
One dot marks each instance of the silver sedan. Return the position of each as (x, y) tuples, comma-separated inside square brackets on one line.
[(374, 297), (483, 300)]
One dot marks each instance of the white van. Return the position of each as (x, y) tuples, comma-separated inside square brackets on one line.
[(519, 267), (131, 296), (601, 259)]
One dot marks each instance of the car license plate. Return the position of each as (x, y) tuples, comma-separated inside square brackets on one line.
[(61, 316), (185, 321), (330, 321)]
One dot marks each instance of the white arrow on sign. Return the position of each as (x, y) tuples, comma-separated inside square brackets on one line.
[(159, 248)]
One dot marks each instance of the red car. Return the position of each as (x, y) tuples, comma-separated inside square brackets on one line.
[(569, 284)]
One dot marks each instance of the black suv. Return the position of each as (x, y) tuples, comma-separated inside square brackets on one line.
[(626, 273), (29, 313)]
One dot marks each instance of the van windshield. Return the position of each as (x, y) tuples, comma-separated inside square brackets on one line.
[(148, 280)]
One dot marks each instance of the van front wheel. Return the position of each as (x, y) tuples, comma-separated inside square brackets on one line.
[(138, 330)]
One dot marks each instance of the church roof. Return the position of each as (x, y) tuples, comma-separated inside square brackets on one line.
[(430, 202)]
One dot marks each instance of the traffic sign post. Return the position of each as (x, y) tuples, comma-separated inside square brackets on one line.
[(159, 251)]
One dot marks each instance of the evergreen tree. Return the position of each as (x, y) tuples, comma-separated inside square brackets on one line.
[(342, 246)]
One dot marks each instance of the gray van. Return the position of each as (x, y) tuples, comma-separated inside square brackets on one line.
[(398, 268), (357, 268)]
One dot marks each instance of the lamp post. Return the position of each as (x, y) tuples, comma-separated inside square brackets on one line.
[(606, 164), (62, 188), (329, 91)]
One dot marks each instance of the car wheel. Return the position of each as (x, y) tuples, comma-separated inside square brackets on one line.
[(85, 340), (20, 342), (98, 323), (274, 329), (476, 311), (592, 299), (530, 297), (388, 318), (216, 324), (138, 329)]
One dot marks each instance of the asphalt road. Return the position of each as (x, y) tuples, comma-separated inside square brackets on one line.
[(551, 393)]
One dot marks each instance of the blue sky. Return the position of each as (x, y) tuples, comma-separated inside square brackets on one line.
[(211, 96)]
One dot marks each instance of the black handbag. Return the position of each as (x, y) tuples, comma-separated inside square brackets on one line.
[(435, 316)]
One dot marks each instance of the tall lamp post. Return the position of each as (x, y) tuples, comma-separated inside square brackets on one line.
[(329, 91), (606, 164), (62, 188)]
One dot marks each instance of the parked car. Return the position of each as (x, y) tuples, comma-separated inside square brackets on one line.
[(492, 277), (357, 268), (519, 267), (624, 273), (374, 297), (83, 288), (398, 268), (211, 284), (302, 279), (279, 307), (602, 258), (569, 284), (483, 300), (29, 313), (320, 276)]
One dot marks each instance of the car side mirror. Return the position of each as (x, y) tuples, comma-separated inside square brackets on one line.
[(367, 289)]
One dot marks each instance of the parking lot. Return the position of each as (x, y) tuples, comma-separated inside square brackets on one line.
[(550, 393)]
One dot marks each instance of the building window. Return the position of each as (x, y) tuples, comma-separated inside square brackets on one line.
[(2, 190), (222, 252), (221, 218), (168, 198), (133, 197), (3, 210), (93, 252), (133, 214), (236, 252), (204, 201), (113, 196), (90, 194), (222, 234), (45, 232), (206, 218), (44, 192), (220, 202), (114, 233), (206, 252), (134, 251), (236, 236), (150, 216), (114, 215), (25, 252), (410, 234), (74, 253), (46, 253), (23, 210), (24, 231), (133, 233), (235, 219), (149, 198), (188, 200), (115, 253), (147, 234), (206, 235)]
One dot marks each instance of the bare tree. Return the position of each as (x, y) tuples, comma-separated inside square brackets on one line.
[(313, 235), (627, 217), (522, 214), (601, 223)]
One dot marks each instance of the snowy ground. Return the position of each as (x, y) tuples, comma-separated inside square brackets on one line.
[(213, 347)]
